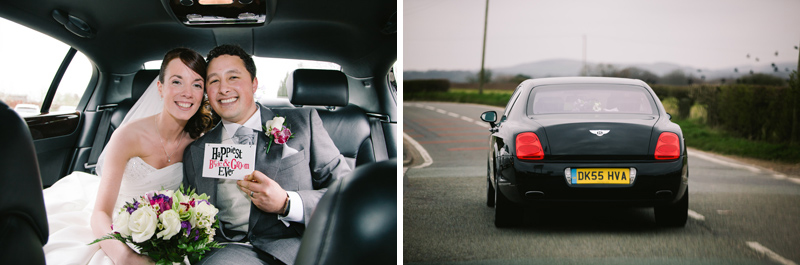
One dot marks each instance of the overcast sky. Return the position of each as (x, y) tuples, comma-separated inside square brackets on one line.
[(709, 34)]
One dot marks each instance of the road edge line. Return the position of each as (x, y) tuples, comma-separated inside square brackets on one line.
[(771, 255), (701, 155), (427, 160)]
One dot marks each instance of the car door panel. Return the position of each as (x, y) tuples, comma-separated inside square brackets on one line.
[(54, 138)]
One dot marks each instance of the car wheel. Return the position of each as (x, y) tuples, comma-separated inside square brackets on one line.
[(674, 215), (506, 213), (489, 193)]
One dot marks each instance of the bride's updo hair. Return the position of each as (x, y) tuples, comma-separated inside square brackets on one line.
[(202, 121)]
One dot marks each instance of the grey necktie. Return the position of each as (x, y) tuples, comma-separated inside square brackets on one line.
[(245, 135)]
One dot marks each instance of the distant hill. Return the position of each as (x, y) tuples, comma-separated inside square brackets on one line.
[(567, 67), (453, 76)]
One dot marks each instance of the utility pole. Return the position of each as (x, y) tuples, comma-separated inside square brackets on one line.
[(794, 106), (483, 54)]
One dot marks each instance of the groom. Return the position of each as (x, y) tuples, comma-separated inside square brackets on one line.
[(266, 212)]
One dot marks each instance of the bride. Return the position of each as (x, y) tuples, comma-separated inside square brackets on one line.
[(143, 155)]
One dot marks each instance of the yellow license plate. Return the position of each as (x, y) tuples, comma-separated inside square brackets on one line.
[(601, 176)]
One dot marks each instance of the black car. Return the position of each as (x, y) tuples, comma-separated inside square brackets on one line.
[(113, 42), (586, 141)]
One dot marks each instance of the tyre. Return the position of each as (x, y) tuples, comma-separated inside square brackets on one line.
[(506, 213), (490, 188), (674, 215), (489, 194)]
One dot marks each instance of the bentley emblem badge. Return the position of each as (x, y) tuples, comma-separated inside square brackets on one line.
[(599, 132)]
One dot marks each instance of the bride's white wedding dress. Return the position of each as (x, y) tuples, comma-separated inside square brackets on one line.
[(70, 201)]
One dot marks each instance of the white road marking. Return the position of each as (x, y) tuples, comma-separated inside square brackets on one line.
[(426, 158), (454, 115), (696, 216), (771, 255), (441, 111), (468, 119), (795, 180), (482, 124), (779, 176), (430, 107), (725, 163)]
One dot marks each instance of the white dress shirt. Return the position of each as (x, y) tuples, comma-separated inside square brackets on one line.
[(235, 210)]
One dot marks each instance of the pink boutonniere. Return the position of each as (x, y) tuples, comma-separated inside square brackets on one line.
[(277, 131)]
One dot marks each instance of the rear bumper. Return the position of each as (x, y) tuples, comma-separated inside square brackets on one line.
[(656, 183)]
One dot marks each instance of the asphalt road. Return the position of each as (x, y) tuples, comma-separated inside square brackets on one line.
[(739, 214)]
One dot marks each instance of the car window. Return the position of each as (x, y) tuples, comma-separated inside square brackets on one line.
[(511, 102), (28, 71), (72, 85), (272, 73), (558, 99)]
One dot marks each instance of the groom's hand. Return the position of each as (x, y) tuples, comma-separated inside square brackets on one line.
[(267, 194)]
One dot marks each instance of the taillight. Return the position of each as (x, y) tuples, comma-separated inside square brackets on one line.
[(529, 147), (668, 146)]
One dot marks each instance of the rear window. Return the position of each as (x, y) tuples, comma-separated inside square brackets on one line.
[(591, 98), (272, 73)]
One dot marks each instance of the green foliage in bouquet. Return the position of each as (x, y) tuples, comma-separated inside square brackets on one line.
[(168, 225)]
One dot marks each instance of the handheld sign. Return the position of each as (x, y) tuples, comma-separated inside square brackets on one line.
[(228, 161)]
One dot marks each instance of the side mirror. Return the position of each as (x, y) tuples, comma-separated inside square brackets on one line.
[(670, 116), (490, 117)]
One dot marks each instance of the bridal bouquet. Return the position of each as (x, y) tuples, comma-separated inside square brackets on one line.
[(167, 225)]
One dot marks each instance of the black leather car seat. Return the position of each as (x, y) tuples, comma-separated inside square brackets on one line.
[(348, 125), (23, 220), (355, 222), (111, 118), (141, 81)]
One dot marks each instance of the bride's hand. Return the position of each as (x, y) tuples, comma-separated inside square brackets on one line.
[(135, 258)]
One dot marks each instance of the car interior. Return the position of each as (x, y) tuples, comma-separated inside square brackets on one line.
[(357, 102)]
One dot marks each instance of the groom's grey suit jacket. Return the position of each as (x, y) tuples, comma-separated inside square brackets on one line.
[(308, 172)]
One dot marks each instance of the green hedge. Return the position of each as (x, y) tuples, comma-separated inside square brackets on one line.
[(495, 99), (757, 112), (426, 85)]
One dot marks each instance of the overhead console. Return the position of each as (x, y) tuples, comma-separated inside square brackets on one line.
[(215, 13)]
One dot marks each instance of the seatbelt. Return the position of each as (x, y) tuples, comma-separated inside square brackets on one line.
[(376, 133), (102, 133)]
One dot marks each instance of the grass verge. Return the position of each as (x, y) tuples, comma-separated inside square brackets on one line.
[(703, 137), (492, 98)]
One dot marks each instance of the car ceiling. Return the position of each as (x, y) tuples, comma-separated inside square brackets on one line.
[(131, 32)]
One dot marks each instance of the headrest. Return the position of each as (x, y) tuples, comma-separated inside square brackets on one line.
[(355, 222), (141, 81), (317, 87), (20, 179)]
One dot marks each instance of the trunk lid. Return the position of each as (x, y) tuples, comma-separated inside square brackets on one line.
[(616, 136)]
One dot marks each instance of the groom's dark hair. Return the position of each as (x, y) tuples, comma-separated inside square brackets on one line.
[(234, 50)]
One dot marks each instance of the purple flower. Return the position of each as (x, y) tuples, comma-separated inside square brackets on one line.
[(133, 207), (163, 201), (188, 226)]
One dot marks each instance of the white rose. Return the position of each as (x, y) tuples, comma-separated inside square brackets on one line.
[(121, 224), (276, 122), (171, 223), (143, 224)]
